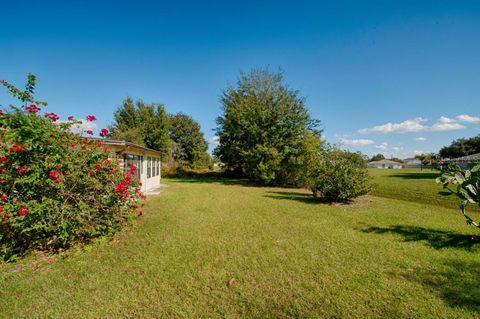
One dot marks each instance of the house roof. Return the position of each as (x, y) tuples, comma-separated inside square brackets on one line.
[(387, 162), (126, 144)]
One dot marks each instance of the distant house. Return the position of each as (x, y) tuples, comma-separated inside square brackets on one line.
[(385, 164), (412, 163), (145, 159), (465, 160)]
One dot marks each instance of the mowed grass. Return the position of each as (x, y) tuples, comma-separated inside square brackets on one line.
[(210, 248), (412, 185)]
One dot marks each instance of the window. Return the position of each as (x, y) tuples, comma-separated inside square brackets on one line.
[(137, 160), (149, 167)]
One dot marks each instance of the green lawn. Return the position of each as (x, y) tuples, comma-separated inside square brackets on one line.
[(289, 256)]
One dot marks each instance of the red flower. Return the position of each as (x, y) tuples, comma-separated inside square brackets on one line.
[(90, 132), (4, 198), (21, 170), (140, 213), (15, 148), (98, 167), (133, 168), (23, 212), (54, 117), (55, 176), (3, 170), (3, 159), (91, 118), (32, 108), (103, 132)]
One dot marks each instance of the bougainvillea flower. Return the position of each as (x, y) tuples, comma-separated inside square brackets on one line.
[(21, 170), (133, 167), (3, 170), (91, 118), (103, 132), (23, 212), (15, 148), (55, 176), (54, 117), (32, 108), (90, 132), (3, 159), (98, 167)]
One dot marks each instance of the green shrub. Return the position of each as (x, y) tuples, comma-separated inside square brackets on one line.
[(57, 188), (338, 176), (466, 186)]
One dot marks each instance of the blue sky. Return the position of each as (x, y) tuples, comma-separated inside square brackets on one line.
[(395, 77)]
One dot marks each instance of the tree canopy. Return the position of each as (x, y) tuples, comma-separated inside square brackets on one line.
[(190, 146), (143, 124), (377, 157), (261, 127), (461, 147)]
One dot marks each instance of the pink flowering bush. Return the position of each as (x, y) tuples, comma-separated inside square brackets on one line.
[(56, 187)]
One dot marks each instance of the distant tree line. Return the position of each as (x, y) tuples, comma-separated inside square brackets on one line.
[(461, 147)]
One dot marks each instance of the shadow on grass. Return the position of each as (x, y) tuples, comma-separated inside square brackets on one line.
[(210, 178), (437, 239), (306, 198), (456, 282), (300, 197), (415, 175)]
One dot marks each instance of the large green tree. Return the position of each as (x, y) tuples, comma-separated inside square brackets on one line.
[(190, 146), (142, 123), (261, 127), (461, 147)]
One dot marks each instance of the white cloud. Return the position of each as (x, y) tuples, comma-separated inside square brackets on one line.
[(357, 142), (446, 120), (214, 140), (421, 139), (445, 126), (468, 118), (397, 148), (383, 146), (413, 125), (417, 152)]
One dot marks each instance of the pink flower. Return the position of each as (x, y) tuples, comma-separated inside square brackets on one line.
[(91, 118), (54, 117), (23, 212), (32, 108), (21, 170), (103, 132), (90, 132)]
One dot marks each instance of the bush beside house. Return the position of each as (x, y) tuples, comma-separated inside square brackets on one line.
[(56, 188)]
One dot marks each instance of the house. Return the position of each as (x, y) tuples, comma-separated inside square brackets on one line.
[(412, 163), (145, 159), (465, 160), (387, 164)]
